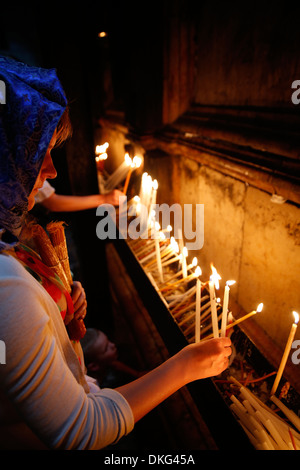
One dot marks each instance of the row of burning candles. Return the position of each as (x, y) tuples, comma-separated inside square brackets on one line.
[(166, 255), (123, 172)]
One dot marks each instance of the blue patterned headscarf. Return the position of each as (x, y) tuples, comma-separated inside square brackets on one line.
[(34, 103)]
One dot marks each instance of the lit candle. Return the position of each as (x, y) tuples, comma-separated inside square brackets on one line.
[(286, 353), (225, 307), (101, 155), (145, 197), (148, 192), (135, 163), (214, 283), (154, 193), (101, 148), (119, 174), (245, 317), (143, 187), (173, 252), (168, 229), (183, 251), (128, 178), (198, 305)]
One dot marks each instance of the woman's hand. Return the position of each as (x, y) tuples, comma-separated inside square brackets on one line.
[(79, 300), (114, 197), (206, 359)]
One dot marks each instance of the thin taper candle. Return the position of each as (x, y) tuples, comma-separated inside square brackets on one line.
[(198, 306), (225, 308), (213, 307), (285, 354)]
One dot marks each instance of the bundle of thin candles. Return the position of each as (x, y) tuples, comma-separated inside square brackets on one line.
[(54, 253), (265, 429)]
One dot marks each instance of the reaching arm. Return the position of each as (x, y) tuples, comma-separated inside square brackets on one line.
[(195, 361)]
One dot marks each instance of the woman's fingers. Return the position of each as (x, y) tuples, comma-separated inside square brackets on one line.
[(79, 300)]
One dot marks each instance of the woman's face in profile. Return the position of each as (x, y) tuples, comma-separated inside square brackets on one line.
[(47, 171)]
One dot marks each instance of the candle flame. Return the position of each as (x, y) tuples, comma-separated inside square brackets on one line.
[(102, 156), (259, 308), (198, 271), (296, 316), (215, 276), (136, 198), (195, 261), (230, 283), (127, 159), (185, 251), (137, 161), (155, 184), (169, 228), (149, 182), (101, 148), (174, 245)]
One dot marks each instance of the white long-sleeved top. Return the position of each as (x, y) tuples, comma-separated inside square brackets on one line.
[(44, 397)]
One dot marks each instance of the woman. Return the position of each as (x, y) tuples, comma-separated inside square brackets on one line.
[(45, 399)]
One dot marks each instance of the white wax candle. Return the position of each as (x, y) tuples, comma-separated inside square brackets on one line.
[(133, 164), (225, 308), (172, 260), (184, 266), (213, 308), (154, 193), (198, 307), (158, 258), (149, 187), (224, 311), (127, 180), (288, 413), (118, 175), (183, 252), (285, 354), (142, 188)]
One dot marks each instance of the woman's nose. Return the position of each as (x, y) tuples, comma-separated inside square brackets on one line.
[(48, 168)]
